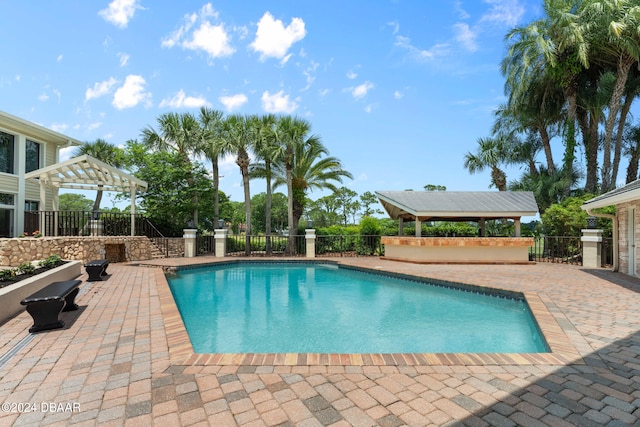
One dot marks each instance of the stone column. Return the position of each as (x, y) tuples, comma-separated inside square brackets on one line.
[(189, 237), (400, 227), (591, 248), (220, 238), (96, 227), (418, 228), (310, 239), (516, 227)]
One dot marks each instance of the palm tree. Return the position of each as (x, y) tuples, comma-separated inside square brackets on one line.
[(310, 170), (238, 137), (105, 152), (211, 146), (292, 134), (179, 133), (615, 32), (491, 153), (266, 149)]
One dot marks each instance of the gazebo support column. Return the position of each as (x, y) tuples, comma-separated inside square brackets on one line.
[(133, 210), (516, 231), (418, 228), (482, 223), (400, 226)]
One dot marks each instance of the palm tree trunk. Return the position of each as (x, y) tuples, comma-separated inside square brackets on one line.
[(216, 192), (624, 65), (96, 204), (290, 219), (617, 151), (589, 129), (546, 144), (267, 216)]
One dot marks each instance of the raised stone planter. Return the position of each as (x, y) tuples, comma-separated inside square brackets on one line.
[(10, 296)]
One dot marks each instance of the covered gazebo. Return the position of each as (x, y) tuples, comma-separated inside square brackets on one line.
[(468, 206), (85, 173)]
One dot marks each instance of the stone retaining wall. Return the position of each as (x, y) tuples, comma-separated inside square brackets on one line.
[(15, 251)]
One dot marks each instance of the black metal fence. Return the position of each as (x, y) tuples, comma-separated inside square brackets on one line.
[(566, 250), (349, 246), (240, 245)]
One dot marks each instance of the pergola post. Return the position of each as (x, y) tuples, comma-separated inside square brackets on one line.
[(133, 210), (516, 231), (483, 227), (400, 226), (418, 227)]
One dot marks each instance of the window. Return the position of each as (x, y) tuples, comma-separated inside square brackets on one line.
[(6, 152), (32, 158), (6, 199), (30, 205)]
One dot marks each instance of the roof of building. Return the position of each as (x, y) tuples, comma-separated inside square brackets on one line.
[(457, 205), (623, 194), (33, 130)]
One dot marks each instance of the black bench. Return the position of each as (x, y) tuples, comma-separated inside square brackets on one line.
[(96, 269), (46, 305)]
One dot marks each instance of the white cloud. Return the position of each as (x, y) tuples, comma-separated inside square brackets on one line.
[(465, 36), (59, 58), (99, 89), (278, 103), (360, 91), (463, 14), (198, 33), (506, 12), (94, 126), (17, 77), (180, 100), (43, 97), (273, 39), (57, 93), (323, 92), (309, 73), (369, 108), (351, 74), (398, 95), (395, 25), (131, 93), (233, 102), (120, 12), (422, 54), (124, 58)]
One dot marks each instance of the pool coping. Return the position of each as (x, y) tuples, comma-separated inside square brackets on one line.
[(181, 352)]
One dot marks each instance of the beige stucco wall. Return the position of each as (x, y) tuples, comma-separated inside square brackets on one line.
[(458, 249), (15, 251)]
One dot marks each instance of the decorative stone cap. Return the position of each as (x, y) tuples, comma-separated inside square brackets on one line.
[(310, 233), (189, 233)]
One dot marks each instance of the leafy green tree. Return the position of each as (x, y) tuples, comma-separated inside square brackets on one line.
[(169, 200), (323, 212), (179, 134), (105, 152), (568, 219), (278, 208), (432, 187), (346, 202), (367, 201), (74, 202)]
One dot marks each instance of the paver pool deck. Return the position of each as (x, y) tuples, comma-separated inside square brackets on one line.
[(122, 359)]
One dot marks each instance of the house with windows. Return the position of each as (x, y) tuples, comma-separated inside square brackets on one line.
[(24, 148)]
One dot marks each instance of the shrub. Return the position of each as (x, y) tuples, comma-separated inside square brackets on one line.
[(26, 268), (51, 261), (7, 274), (369, 241)]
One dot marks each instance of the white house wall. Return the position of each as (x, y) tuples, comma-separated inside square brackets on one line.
[(622, 212)]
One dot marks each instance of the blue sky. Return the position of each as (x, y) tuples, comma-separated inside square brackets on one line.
[(398, 90)]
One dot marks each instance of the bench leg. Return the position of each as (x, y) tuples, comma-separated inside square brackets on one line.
[(95, 274), (46, 315), (71, 301)]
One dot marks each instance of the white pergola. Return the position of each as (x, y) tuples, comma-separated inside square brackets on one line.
[(85, 173)]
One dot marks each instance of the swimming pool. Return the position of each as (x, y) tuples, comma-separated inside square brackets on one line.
[(321, 308)]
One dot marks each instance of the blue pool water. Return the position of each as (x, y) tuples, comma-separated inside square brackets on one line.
[(314, 308)]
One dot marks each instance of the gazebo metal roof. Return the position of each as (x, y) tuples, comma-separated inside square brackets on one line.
[(457, 205)]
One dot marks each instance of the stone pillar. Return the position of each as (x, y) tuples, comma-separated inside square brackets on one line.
[(310, 239), (483, 227), (96, 227), (418, 228), (220, 238), (516, 227), (400, 227), (189, 237), (591, 248)]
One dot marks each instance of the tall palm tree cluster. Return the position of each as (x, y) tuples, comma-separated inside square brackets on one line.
[(285, 153), (570, 76)]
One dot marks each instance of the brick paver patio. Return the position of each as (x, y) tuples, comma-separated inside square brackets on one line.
[(122, 360)]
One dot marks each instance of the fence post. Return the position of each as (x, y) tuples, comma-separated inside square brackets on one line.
[(220, 238), (591, 248), (189, 242), (310, 238)]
